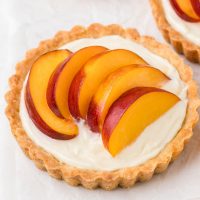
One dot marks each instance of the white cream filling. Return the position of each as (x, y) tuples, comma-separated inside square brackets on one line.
[(190, 31), (87, 150)]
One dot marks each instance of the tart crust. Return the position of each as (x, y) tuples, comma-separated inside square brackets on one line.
[(178, 41), (91, 179)]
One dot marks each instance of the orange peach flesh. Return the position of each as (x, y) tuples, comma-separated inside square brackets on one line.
[(115, 85), (66, 73), (36, 101), (185, 10), (132, 113), (87, 80), (50, 94), (186, 6)]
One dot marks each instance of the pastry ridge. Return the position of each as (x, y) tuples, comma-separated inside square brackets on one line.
[(91, 179), (178, 41)]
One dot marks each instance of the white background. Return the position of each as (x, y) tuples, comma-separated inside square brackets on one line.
[(23, 24)]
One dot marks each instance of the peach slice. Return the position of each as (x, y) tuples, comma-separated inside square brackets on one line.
[(132, 113), (57, 92), (87, 80), (115, 85), (196, 6), (185, 10), (35, 97)]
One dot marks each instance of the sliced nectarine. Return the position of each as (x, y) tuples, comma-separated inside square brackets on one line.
[(35, 97), (185, 10), (87, 80), (115, 85), (132, 113), (57, 93), (196, 6)]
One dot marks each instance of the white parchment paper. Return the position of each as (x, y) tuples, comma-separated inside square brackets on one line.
[(22, 25)]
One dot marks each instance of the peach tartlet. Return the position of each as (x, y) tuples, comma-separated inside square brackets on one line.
[(102, 106), (179, 22)]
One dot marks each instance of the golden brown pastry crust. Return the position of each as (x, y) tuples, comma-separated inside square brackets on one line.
[(179, 42), (90, 178)]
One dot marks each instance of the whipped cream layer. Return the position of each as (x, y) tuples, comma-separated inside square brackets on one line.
[(86, 151), (189, 30)]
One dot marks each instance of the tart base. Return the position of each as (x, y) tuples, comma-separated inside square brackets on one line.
[(91, 179), (178, 41)]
